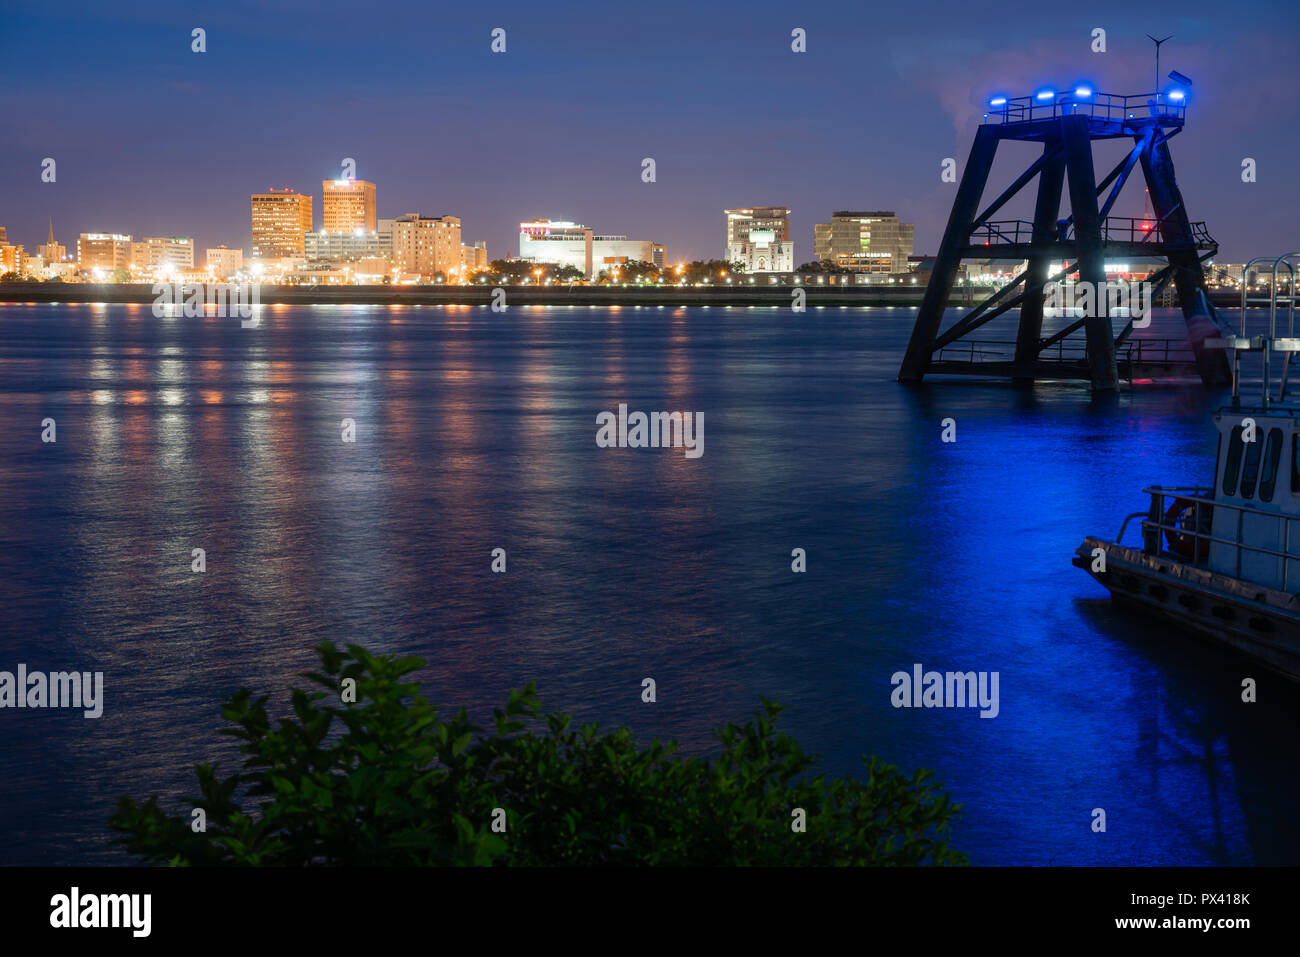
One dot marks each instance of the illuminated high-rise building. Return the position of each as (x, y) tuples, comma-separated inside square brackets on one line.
[(281, 217), (347, 206)]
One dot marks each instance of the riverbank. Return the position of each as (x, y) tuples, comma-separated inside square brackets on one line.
[(731, 295), (782, 296)]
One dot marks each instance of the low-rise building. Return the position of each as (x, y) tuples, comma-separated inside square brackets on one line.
[(163, 254), (473, 258), (565, 243), (347, 247), (223, 262)]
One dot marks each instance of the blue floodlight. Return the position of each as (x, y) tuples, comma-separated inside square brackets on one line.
[(1046, 94), (1083, 91), (1176, 95), (998, 101)]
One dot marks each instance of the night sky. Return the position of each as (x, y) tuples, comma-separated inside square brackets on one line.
[(152, 139)]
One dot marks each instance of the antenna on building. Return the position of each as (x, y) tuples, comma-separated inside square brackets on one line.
[(1157, 43)]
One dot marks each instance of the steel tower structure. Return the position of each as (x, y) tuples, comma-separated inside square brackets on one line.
[(1067, 124)]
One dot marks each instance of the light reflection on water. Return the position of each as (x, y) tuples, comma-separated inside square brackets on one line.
[(476, 430)]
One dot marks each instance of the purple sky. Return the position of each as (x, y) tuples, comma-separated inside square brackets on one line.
[(152, 139)]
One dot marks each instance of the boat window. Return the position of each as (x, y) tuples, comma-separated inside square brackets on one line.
[(1250, 471), (1295, 463), (1272, 453), (1234, 462)]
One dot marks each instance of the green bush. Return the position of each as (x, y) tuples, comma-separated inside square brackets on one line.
[(384, 780)]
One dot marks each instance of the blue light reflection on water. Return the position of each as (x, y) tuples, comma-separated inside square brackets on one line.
[(477, 430)]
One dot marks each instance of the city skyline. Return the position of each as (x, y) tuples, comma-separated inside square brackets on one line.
[(853, 123)]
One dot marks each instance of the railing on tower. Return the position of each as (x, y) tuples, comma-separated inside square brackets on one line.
[(1114, 229), (1107, 107)]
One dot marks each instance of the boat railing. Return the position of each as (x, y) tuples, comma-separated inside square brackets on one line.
[(1155, 526), (1267, 344)]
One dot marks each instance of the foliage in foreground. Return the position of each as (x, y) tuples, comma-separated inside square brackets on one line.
[(386, 781)]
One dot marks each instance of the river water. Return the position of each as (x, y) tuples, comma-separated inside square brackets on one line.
[(476, 430)]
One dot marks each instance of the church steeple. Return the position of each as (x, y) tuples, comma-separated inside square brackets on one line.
[(50, 241)]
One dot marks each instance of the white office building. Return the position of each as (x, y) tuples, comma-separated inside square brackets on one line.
[(572, 244)]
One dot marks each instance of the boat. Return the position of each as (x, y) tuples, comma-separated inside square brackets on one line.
[(1223, 561)]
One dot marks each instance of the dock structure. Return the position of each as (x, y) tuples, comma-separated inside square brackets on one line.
[(1067, 124)]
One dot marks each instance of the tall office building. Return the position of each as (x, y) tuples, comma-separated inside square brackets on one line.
[(347, 205), (424, 245), (108, 251), (281, 217), (864, 241)]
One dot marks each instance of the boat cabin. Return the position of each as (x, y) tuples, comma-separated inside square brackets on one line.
[(1255, 516)]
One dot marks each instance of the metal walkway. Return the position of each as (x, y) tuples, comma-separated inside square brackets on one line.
[(1067, 359)]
